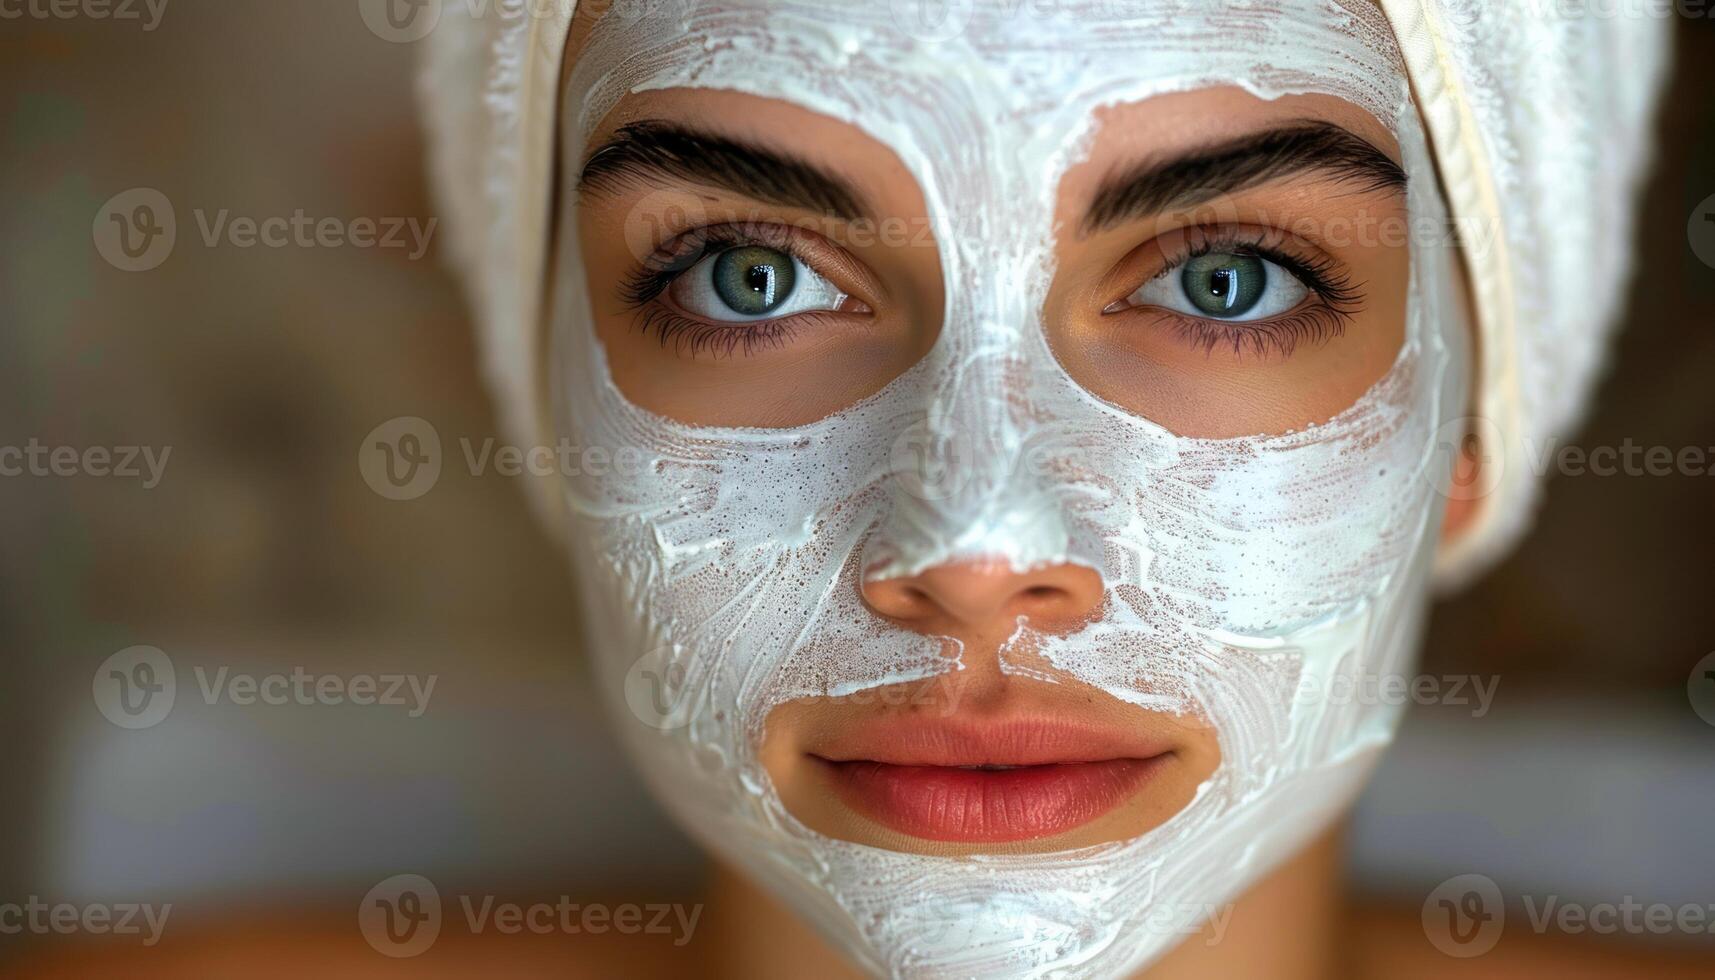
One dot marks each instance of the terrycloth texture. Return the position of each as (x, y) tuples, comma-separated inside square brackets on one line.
[(1540, 123)]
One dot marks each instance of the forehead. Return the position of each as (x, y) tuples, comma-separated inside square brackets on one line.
[(969, 70)]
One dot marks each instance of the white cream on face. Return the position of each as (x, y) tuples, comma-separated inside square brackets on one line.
[(1240, 573)]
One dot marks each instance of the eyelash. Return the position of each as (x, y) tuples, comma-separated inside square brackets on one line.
[(688, 335), (1339, 297)]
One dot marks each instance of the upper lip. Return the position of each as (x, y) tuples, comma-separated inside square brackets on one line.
[(1022, 741)]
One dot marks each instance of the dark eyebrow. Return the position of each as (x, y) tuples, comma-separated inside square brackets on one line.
[(654, 149), (1230, 167)]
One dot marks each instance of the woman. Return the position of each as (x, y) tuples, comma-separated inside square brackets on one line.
[(1033, 414), (1010, 433)]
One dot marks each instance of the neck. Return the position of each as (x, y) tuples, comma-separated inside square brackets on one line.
[(1284, 928)]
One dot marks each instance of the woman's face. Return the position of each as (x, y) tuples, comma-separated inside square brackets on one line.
[(1220, 268), (1037, 423)]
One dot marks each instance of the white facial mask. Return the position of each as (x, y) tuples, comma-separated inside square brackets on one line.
[(1242, 575)]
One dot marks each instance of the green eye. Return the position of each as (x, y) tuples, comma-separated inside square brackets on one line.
[(1237, 287), (1224, 285), (752, 280), (740, 283)]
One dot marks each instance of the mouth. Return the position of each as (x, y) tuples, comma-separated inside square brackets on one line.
[(973, 782)]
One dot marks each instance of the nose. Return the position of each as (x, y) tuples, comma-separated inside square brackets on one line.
[(985, 596)]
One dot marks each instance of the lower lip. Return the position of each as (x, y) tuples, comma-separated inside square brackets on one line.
[(947, 803)]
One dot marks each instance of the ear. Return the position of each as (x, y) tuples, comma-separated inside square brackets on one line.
[(1468, 471), (1465, 491)]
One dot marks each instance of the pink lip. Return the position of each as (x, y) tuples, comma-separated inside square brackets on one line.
[(923, 778)]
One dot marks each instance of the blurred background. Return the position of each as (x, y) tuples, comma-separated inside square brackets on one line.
[(262, 549)]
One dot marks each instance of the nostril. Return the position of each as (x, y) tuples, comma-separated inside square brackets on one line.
[(985, 595), (899, 599)]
